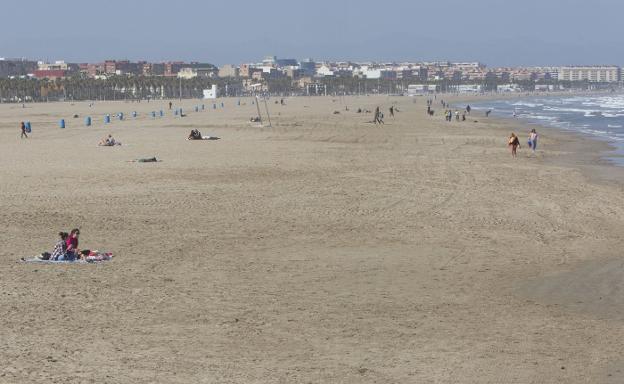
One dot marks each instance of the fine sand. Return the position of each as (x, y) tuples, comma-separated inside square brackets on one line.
[(322, 250)]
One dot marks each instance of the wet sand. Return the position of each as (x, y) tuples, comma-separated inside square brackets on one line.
[(323, 249)]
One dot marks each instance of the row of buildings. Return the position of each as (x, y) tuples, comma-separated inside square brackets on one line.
[(108, 68), (273, 68)]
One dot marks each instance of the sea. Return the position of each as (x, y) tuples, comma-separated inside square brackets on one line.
[(600, 117)]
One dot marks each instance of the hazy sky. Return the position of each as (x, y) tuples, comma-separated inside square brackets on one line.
[(496, 32)]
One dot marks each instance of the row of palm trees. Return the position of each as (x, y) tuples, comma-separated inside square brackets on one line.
[(158, 87), (112, 88)]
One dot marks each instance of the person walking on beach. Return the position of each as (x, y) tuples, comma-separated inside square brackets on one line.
[(487, 113), (170, 105), (533, 139), (468, 109), (392, 111), (23, 127), (514, 144)]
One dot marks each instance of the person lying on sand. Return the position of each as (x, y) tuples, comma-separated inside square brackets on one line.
[(195, 135), (147, 160)]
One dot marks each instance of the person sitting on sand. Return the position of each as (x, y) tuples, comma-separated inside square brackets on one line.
[(514, 144), (60, 248), (108, 141), (195, 135), (72, 244)]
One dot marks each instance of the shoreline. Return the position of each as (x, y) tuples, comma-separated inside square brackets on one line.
[(591, 154)]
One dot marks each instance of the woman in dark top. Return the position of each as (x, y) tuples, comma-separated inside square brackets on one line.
[(23, 127), (514, 144), (72, 244)]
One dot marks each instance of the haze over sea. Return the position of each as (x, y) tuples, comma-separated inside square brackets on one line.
[(600, 117)]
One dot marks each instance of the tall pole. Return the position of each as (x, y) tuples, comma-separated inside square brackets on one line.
[(266, 106), (258, 106), (180, 89)]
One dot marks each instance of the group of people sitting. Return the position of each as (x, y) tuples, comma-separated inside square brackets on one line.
[(195, 135), (66, 248), (109, 141)]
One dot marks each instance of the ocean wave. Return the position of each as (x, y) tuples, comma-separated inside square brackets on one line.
[(593, 114), (586, 115), (559, 109), (526, 104), (538, 117)]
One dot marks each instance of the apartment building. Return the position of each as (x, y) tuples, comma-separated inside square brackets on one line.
[(592, 74), (16, 67)]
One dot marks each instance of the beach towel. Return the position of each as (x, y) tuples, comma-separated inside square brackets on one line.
[(93, 257)]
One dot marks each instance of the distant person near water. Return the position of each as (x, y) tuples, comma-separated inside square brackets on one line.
[(487, 113), (533, 139), (514, 144), (23, 128), (170, 105), (392, 111)]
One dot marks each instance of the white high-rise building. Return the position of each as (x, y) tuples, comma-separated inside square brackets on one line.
[(593, 74)]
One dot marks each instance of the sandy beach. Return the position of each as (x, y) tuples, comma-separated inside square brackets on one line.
[(324, 249)]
